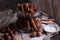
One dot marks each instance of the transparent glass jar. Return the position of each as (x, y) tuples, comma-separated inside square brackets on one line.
[(6, 17)]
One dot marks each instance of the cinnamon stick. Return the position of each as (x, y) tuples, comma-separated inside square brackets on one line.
[(37, 22), (28, 25), (33, 23), (22, 9)]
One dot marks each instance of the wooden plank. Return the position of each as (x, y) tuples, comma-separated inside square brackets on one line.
[(56, 10), (49, 8)]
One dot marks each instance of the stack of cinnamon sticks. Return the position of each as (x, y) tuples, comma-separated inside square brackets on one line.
[(10, 32), (31, 23)]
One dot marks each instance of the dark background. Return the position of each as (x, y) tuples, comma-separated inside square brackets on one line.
[(10, 4), (51, 7)]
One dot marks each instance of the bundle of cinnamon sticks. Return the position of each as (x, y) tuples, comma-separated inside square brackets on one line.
[(31, 23), (10, 32), (26, 7)]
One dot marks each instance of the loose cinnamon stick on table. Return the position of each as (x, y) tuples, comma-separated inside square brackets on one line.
[(48, 20)]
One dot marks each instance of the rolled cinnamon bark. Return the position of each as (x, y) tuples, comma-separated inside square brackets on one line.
[(7, 37), (22, 9), (38, 34), (26, 7), (37, 22), (33, 33), (28, 25), (32, 9), (19, 5), (11, 35), (14, 30), (33, 23)]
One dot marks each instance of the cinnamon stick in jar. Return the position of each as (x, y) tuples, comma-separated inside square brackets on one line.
[(26, 7), (28, 25), (32, 9), (33, 33), (33, 23), (22, 9), (38, 33), (37, 22), (19, 7)]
